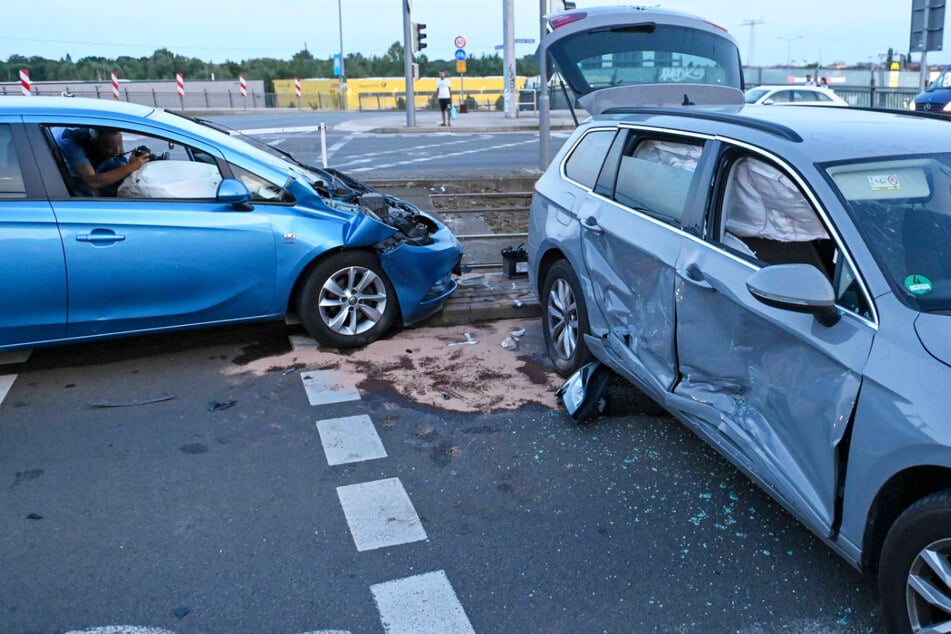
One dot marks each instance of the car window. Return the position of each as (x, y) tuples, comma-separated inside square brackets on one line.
[(11, 178), (810, 95), (174, 170), (648, 53), (902, 207), (655, 177), (584, 163), (765, 216), (260, 188), (781, 96)]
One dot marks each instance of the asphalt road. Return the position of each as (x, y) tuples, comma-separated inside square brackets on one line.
[(218, 510)]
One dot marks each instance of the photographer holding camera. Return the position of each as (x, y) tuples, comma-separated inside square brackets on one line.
[(96, 161)]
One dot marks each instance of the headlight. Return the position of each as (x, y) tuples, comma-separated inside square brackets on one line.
[(947, 107)]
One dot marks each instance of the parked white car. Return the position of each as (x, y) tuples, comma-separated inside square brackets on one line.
[(794, 96)]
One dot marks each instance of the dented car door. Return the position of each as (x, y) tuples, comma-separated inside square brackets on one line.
[(776, 388)]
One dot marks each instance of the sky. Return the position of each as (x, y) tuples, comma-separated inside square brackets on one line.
[(823, 31)]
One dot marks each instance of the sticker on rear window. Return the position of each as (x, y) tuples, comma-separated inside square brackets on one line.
[(918, 284), (880, 182)]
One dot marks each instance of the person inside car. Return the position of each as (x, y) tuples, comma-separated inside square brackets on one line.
[(95, 159)]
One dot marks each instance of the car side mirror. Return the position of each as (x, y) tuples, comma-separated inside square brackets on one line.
[(233, 192), (768, 102), (797, 287)]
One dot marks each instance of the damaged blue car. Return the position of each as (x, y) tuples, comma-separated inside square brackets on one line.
[(208, 230)]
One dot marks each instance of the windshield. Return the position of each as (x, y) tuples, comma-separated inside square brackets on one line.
[(325, 182), (943, 82), (902, 207), (755, 93), (646, 54)]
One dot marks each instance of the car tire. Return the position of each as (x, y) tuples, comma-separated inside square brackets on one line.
[(347, 301), (564, 319), (920, 534)]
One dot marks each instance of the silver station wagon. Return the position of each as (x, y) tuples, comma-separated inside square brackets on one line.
[(780, 280)]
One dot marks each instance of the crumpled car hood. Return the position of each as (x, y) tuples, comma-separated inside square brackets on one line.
[(934, 331)]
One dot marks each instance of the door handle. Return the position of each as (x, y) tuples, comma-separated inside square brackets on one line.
[(99, 238), (693, 274), (591, 224)]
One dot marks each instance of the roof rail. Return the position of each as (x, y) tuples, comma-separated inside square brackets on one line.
[(777, 129)]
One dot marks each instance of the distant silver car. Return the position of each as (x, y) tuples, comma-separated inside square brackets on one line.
[(794, 96), (780, 280)]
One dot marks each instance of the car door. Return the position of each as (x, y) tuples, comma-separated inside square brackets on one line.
[(631, 244), (32, 267), (777, 388), (139, 263)]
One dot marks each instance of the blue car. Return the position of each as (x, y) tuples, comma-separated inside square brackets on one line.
[(210, 230), (936, 97)]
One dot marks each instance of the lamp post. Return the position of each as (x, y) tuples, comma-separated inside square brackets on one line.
[(789, 41)]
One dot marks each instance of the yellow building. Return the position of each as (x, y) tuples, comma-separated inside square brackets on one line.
[(388, 93)]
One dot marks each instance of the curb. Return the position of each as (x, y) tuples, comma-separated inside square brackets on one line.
[(488, 296)]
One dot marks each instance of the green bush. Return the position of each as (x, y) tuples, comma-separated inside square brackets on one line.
[(471, 103), (500, 103)]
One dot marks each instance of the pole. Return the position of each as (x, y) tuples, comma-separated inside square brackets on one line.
[(544, 101), (508, 61), (408, 66), (343, 73)]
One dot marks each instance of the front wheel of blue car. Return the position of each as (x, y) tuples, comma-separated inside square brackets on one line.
[(565, 319), (347, 301)]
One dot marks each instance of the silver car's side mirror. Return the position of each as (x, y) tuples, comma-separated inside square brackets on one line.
[(798, 287)]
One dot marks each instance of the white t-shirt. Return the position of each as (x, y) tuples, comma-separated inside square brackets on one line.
[(443, 88)]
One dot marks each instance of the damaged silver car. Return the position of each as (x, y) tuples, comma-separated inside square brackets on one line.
[(779, 279)]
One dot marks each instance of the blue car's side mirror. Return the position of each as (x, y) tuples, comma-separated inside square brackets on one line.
[(234, 192)]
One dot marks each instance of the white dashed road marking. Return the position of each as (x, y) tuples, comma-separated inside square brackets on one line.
[(14, 356), (6, 382), (324, 387), (350, 439), (380, 514), (422, 604)]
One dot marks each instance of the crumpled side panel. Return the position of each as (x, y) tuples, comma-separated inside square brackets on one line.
[(635, 292), (782, 401)]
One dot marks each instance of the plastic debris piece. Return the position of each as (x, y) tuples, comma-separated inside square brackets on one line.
[(144, 401), (289, 370), (510, 343), (518, 303), (34, 516), (518, 332), (217, 406), (468, 342), (476, 280)]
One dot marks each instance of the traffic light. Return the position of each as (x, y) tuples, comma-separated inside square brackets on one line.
[(420, 36)]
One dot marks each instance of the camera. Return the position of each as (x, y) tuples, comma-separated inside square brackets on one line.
[(142, 150)]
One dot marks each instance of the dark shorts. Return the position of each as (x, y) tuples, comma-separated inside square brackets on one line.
[(444, 104)]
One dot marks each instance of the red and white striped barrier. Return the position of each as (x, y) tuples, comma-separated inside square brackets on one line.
[(115, 85), (180, 80), (243, 83), (297, 87), (25, 86)]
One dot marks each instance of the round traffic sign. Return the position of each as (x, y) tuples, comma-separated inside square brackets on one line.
[(460, 55), (459, 42)]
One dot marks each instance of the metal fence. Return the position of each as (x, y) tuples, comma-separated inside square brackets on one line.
[(862, 96)]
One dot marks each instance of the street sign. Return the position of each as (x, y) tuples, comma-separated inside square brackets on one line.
[(524, 40), (460, 67), (459, 42), (460, 55), (927, 33)]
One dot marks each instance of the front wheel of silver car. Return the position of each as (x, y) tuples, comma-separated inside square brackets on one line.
[(347, 301), (914, 576), (565, 319)]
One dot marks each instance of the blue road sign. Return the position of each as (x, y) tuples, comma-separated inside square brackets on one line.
[(460, 55)]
